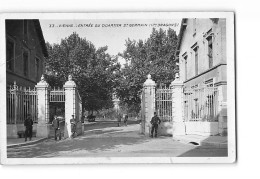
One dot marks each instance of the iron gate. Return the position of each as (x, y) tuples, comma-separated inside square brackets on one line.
[(163, 104), (201, 104), (20, 102)]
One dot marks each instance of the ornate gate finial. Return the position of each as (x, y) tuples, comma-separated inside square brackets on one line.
[(42, 78), (177, 76), (70, 78)]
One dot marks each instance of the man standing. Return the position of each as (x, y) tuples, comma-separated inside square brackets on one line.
[(119, 119), (126, 119), (56, 126), (28, 123), (155, 121), (73, 126)]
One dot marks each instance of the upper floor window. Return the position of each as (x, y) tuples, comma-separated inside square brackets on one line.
[(37, 68), (186, 68), (196, 49), (9, 54), (25, 63), (210, 51), (194, 22)]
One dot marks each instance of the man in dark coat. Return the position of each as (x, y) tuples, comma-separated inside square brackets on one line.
[(28, 123), (56, 126), (155, 121), (126, 119), (119, 120)]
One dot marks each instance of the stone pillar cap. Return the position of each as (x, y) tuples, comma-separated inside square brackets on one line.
[(42, 83), (70, 82), (149, 81), (177, 80)]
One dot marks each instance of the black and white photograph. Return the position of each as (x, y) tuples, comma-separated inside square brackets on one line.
[(151, 87)]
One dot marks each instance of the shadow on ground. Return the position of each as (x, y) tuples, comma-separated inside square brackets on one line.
[(208, 149), (87, 143)]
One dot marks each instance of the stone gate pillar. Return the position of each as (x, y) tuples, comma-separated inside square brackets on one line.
[(43, 126), (222, 110), (70, 104), (149, 106), (177, 107)]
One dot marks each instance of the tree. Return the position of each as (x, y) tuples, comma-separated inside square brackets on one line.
[(155, 56), (92, 69)]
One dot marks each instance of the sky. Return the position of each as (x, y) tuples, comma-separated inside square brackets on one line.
[(111, 32)]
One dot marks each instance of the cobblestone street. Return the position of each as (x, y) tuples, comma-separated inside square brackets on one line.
[(104, 139)]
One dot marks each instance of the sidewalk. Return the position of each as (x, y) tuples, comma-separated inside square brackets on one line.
[(213, 141), (20, 142)]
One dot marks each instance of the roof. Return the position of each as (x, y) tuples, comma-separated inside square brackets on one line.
[(183, 27), (41, 38)]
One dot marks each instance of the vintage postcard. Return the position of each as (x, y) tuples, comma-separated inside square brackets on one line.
[(140, 87)]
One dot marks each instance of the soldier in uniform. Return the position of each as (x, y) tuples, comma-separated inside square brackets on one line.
[(73, 126), (28, 123), (155, 121), (56, 126)]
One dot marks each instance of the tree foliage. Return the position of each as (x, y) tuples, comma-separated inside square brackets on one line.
[(155, 56), (93, 70)]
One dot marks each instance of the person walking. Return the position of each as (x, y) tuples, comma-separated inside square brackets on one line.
[(126, 119), (28, 123), (155, 121), (56, 126)]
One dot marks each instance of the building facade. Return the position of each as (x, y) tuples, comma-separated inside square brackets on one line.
[(203, 70), (25, 58), (25, 52)]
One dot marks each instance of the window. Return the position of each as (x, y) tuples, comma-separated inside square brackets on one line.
[(25, 27), (9, 55), (186, 70), (194, 26), (37, 68), (210, 51), (25, 63), (196, 60)]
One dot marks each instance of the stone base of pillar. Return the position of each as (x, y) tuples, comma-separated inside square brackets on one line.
[(83, 128), (222, 126), (43, 130), (67, 131), (222, 119), (11, 131), (148, 129), (178, 128)]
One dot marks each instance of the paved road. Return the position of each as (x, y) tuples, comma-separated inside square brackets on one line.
[(105, 139)]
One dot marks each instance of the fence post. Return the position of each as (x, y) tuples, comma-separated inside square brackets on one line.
[(70, 104), (15, 88), (177, 107), (43, 126), (222, 111), (149, 106)]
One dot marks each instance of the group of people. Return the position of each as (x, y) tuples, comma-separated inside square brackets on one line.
[(28, 123)]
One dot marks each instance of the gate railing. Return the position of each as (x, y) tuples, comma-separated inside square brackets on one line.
[(21, 102), (57, 95), (201, 104), (163, 103)]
